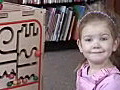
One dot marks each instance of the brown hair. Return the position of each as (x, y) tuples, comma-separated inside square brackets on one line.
[(99, 16)]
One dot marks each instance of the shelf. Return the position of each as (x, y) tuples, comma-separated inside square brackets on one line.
[(61, 4), (60, 45)]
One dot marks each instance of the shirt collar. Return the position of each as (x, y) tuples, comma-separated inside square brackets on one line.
[(100, 75)]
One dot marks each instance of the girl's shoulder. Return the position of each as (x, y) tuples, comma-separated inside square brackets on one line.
[(111, 82), (114, 75), (110, 79), (106, 73)]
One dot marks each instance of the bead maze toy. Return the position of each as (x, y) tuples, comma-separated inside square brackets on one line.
[(21, 47)]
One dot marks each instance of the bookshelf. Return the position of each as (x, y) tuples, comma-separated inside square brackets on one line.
[(58, 43), (62, 44)]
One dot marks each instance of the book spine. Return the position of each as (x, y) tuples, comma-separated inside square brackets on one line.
[(54, 38), (68, 24), (62, 13), (71, 28)]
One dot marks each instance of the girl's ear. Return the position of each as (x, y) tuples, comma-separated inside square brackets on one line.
[(79, 45), (116, 44)]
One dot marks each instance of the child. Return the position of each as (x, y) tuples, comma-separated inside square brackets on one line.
[(98, 41)]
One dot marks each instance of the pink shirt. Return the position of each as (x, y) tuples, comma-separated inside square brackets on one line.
[(105, 79)]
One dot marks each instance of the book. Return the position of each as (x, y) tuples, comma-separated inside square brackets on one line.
[(66, 24), (54, 37), (75, 31), (80, 12), (71, 28), (31, 1), (51, 22), (62, 17)]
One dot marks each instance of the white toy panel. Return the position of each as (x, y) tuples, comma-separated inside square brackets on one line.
[(21, 47)]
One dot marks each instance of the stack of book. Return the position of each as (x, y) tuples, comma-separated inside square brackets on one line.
[(62, 22)]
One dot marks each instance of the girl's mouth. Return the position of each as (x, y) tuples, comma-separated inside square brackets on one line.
[(97, 52)]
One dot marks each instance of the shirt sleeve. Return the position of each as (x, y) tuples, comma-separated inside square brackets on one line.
[(111, 83)]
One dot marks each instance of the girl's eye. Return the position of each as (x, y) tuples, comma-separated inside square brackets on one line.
[(103, 38), (88, 39)]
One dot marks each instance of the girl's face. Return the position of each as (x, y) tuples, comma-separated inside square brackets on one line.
[(96, 42)]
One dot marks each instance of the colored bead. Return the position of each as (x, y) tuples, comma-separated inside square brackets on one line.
[(19, 81), (1, 6), (11, 76), (35, 78), (15, 82), (24, 80), (9, 84), (37, 53)]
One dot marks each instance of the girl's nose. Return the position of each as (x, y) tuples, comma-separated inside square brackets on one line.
[(96, 45)]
